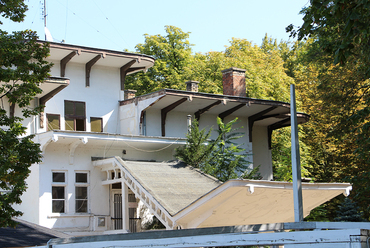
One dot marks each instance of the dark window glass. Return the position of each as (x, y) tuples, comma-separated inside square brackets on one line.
[(74, 115), (58, 192), (81, 199), (80, 109), (96, 124), (59, 177), (81, 193), (80, 124), (69, 108), (81, 177), (53, 122), (58, 207), (116, 186), (58, 199), (81, 206)]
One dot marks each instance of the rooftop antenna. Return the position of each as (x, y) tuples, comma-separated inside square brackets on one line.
[(45, 18), (48, 36)]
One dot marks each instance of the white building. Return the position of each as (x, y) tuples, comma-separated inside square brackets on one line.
[(100, 143)]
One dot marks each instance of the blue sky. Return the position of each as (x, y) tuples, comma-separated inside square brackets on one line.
[(121, 24)]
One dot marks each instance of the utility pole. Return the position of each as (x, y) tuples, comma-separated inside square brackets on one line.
[(296, 162)]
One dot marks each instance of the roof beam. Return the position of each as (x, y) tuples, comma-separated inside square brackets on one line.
[(167, 109), (135, 69), (89, 65), (65, 60), (256, 117), (123, 72), (230, 111), (48, 96), (203, 110), (277, 125)]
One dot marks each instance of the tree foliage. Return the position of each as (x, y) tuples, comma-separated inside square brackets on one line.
[(337, 66), (349, 212), (342, 26), (196, 152), (172, 53), (22, 69)]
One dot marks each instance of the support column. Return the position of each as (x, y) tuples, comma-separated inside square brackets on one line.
[(125, 218)]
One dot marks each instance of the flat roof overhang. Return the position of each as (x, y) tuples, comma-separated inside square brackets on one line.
[(110, 58), (268, 113), (241, 202), (196, 101), (114, 141)]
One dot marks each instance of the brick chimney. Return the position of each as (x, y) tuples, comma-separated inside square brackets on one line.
[(233, 81), (192, 86)]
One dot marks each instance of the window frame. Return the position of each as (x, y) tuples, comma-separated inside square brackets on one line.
[(57, 184), (82, 185), (74, 117)]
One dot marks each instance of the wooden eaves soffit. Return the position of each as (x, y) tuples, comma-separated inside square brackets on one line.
[(124, 61), (204, 110), (62, 82), (124, 70), (167, 109), (65, 60), (89, 65), (275, 112)]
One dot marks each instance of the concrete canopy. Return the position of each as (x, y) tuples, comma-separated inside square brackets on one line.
[(192, 202), (241, 202)]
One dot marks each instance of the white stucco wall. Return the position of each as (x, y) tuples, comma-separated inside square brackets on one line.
[(130, 117), (57, 160), (101, 98), (37, 201), (261, 152), (30, 203)]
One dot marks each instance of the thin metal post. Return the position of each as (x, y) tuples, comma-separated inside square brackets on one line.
[(296, 163), (189, 123)]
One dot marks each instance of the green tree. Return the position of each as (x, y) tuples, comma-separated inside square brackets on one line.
[(349, 212), (22, 69), (196, 152), (172, 53), (227, 159), (341, 33), (222, 157)]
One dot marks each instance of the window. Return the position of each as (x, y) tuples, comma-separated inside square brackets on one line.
[(82, 192), (53, 122), (96, 124), (74, 115), (58, 192)]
